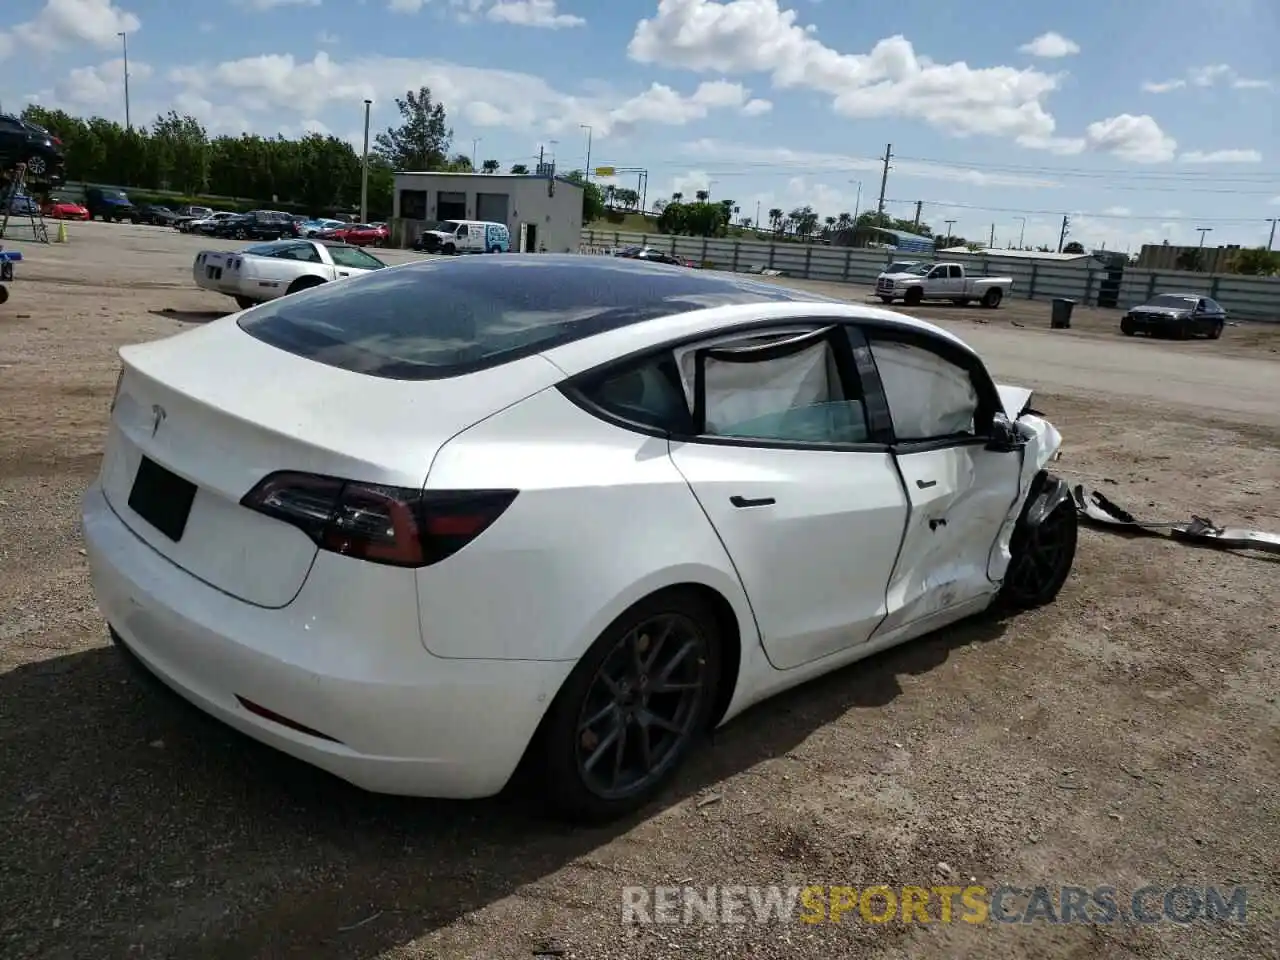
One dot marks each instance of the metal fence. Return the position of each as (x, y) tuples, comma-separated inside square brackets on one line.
[(1084, 280)]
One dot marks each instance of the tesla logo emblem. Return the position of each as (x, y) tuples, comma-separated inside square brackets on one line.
[(157, 417)]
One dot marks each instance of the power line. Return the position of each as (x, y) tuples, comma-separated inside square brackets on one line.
[(946, 204)]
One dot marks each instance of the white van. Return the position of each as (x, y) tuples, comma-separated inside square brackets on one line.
[(465, 236)]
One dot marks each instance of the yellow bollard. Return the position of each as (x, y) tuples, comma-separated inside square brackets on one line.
[(62, 232)]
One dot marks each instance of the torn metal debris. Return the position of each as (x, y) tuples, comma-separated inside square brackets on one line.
[(1097, 509)]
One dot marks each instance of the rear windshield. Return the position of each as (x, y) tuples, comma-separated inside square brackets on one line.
[(444, 318)]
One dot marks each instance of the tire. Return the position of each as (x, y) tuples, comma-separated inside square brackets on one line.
[(584, 707), (36, 166), (1216, 332), (244, 303), (1042, 557), (886, 299), (991, 299), (449, 250), (913, 297), (303, 283)]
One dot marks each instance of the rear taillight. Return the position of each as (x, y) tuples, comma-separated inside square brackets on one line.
[(390, 525)]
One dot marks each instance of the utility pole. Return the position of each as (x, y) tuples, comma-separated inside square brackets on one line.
[(475, 142), (364, 168), (884, 178), (919, 207), (992, 244), (856, 203), (124, 41), (1022, 234), (1062, 237), (587, 127), (1203, 231), (1272, 239), (950, 224)]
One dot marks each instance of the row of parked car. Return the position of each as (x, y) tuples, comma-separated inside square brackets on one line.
[(111, 205)]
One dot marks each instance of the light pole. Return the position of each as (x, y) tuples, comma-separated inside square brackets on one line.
[(950, 224), (475, 142), (1203, 231), (857, 202), (587, 127), (1022, 234), (124, 42), (1272, 238), (364, 168)]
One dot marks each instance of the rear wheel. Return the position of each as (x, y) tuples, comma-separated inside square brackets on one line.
[(991, 299), (631, 709), (1041, 555)]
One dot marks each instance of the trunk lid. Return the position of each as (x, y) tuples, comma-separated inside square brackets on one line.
[(209, 413)]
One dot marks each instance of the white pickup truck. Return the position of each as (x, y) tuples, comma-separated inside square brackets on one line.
[(940, 281)]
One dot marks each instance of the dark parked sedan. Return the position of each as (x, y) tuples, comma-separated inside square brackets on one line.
[(1180, 315)]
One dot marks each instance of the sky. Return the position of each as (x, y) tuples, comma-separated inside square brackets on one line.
[(1141, 120)]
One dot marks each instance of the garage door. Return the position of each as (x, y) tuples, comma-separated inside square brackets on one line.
[(492, 206), (451, 206)]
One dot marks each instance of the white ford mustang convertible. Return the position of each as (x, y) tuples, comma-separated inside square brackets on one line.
[(424, 525)]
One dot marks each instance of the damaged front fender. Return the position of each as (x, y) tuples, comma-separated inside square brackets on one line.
[(1053, 493)]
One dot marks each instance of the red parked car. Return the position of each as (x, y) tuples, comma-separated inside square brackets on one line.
[(358, 234), (57, 208)]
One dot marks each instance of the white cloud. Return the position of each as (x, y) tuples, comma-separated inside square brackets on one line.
[(533, 13), (97, 86), (1205, 77), (485, 97), (273, 4), (1139, 138), (754, 108), (1118, 212), (1221, 156), (63, 23), (690, 183), (785, 159), (756, 36), (1051, 46), (405, 6)]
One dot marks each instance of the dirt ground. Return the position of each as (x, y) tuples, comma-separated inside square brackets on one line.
[(1128, 734)]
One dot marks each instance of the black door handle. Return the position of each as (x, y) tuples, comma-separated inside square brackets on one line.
[(936, 523), (926, 484), (749, 502)]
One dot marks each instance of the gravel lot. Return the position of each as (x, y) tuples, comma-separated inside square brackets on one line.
[(1128, 734)]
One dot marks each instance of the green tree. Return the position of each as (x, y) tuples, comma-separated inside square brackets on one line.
[(490, 166), (520, 168), (593, 206), (181, 148), (1257, 262), (1075, 246), (422, 140)]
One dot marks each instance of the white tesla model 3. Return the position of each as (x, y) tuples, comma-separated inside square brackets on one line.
[(420, 526)]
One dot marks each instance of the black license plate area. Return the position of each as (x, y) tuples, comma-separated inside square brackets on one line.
[(162, 498)]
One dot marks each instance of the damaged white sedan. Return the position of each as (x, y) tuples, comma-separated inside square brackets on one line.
[(423, 525)]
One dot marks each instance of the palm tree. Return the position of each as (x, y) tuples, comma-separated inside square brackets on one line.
[(702, 195), (775, 219), (609, 193), (490, 166), (844, 221), (677, 197), (746, 223), (519, 168)]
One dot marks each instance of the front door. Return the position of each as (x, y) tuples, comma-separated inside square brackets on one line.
[(960, 492), (810, 511)]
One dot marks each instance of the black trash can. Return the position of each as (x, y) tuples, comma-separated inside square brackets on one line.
[(1061, 317)]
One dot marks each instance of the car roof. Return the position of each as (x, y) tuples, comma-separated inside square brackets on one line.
[(667, 302)]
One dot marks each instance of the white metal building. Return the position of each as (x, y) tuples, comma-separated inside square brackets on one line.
[(544, 214)]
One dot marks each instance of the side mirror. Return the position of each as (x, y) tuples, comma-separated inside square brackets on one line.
[(1005, 436)]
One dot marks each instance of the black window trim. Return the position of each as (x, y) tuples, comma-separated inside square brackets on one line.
[(853, 359)]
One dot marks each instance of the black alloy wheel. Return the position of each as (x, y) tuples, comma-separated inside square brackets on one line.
[(1041, 555), (631, 710)]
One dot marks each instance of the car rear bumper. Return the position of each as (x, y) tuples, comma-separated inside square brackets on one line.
[(341, 672)]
